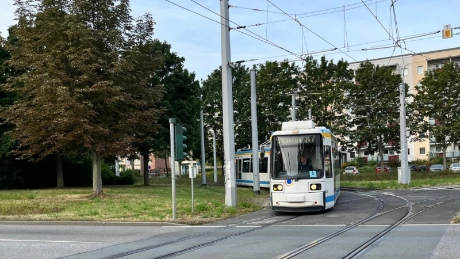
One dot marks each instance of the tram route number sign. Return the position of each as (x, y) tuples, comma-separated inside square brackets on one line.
[(447, 32)]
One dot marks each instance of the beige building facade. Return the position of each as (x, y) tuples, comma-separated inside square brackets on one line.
[(412, 68)]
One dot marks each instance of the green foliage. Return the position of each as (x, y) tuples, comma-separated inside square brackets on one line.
[(361, 161), (394, 163), (374, 120), (437, 99), (181, 100), (435, 160), (276, 81), (353, 163), (322, 90), (109, 177)]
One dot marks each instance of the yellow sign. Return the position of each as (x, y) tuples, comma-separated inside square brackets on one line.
[(447, 32)]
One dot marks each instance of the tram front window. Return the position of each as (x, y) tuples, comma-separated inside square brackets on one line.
[(297, 157)]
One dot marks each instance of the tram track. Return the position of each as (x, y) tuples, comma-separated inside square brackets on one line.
[(365, 245), (205, 244)]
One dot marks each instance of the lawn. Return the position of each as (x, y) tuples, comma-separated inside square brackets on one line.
[(139, 203)]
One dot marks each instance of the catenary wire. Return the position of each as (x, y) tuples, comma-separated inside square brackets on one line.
[(317, 11), (310, 30), (242, 27), (260, 39)]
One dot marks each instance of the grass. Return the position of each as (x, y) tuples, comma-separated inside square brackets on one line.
[(136, 203), (139, 203)]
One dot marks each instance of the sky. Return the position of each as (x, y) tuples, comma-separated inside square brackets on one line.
[(279, 30)]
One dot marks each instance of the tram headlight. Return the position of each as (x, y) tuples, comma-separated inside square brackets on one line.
[(315, 186), (277, 187)]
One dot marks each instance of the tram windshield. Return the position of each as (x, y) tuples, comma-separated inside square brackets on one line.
[(297, 157)]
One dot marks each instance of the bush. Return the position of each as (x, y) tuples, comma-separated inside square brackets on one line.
[(109, 177), (394, 163), (361, 161)]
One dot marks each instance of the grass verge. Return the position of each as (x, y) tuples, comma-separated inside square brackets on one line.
[(139, 203)]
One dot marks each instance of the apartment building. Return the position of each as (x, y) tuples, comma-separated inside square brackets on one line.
[(412, 68)]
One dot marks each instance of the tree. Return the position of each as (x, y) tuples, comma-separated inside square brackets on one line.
[(86, 86), (213, 112), (436, 99), (180, 101), (241, 88), (322, 88), (275, 84), (373, 104)]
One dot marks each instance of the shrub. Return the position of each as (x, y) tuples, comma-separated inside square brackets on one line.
[(394, 163), (109, 177), (361, 161)]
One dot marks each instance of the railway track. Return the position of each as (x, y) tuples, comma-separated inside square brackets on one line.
[(410, 213), (189, 242)]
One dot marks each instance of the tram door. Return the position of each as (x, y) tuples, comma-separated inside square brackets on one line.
[(238, 168)]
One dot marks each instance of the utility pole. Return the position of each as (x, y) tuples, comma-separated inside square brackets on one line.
[(172, 133), (404, 176), (227, 105), (214, 155), (203, 163), (255, 137)]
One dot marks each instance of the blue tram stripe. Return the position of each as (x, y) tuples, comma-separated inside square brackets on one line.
[(251, 181)]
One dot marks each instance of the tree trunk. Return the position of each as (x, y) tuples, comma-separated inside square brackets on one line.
[(59, 172), (97, 177), (166, 164), (382, 162), (222, 165), (145, 162), (444, 158)]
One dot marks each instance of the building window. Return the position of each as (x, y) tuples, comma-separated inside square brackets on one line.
[(408, 151), (420, 70), (422, 151)]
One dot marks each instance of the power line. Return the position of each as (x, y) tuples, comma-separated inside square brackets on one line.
[(378, 21), (243, 27), (311, 12), (311, 30), (301, 16), (260, 38), (396, 42)]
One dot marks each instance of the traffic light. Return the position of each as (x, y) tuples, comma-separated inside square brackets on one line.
[(180, 146)]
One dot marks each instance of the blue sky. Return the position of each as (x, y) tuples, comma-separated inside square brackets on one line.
[(325, 25)]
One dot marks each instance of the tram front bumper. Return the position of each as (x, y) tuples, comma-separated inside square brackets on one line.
[(283, 201)]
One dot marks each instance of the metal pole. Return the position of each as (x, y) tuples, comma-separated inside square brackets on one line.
[(227, 106), (117, 167), (193, 176), (214, 155), (293, 107), (203, 163), (404, 178), (172, 123), (255, 137)]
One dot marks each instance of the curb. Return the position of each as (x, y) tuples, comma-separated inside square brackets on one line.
[(93, 223)]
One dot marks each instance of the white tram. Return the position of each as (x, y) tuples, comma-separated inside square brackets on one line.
[(310, 185), (243, 160)]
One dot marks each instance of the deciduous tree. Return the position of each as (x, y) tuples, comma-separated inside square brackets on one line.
[(86, 86), (373, 103), (437, 100)]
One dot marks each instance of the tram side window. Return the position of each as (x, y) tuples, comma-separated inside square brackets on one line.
[(247, 167), (263, 165), (327, 161)]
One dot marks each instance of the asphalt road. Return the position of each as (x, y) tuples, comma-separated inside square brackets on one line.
[(428, 234)]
